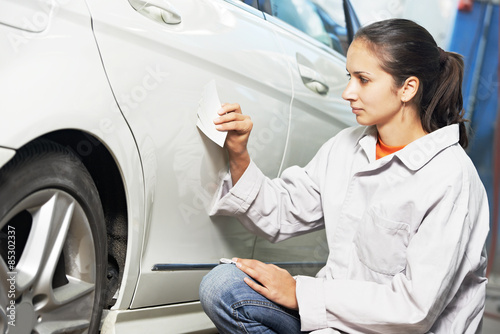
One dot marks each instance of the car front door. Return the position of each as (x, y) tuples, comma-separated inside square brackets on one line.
[(158, 56)]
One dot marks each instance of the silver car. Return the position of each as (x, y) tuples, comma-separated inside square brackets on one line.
[(105, 180)]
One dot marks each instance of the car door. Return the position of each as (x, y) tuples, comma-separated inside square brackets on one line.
[(158, 56), (318, 113)]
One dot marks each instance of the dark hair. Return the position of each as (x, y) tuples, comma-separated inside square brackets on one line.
[(406, 49)]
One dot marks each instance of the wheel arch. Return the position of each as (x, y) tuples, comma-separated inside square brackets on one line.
[(109, 182)]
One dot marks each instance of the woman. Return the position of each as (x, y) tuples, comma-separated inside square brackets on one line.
[(405, 213)]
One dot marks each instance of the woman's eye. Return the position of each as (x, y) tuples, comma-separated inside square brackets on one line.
[(348, 76), (363, 80)]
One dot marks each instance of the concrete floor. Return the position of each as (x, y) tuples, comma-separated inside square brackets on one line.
[(491, 320), (491, 326)]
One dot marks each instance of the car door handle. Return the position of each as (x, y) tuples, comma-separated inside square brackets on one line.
[(157, 8), (313, 80)]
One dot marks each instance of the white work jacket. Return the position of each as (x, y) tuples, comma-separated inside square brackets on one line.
[(406, 233)]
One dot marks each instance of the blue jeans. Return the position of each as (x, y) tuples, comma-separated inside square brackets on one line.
[(234, 307)]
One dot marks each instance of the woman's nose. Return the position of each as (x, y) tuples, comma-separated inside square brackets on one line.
[(348, 94)]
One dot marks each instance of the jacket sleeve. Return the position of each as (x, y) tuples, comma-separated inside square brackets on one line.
[(443, 257), (276, 209)]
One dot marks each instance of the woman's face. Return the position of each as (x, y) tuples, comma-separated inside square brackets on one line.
[(371, 92)]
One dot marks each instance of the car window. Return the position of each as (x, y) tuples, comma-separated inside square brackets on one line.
[(253, 3), (248, 5), (336, 29), (302, 15), (334, 8), (310, 18), (336, 13)]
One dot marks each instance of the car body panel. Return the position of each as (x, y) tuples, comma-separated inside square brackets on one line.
[(77, 98), (132, 83), (5, 155), (27, 15), (179, 319), (181, 166)]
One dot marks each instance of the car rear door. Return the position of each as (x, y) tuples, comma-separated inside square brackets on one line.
[(318, 113), (158, 56)]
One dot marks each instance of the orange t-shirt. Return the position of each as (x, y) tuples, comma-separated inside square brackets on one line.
[(382, 149)]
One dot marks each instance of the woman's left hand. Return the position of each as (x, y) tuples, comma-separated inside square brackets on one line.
[(277, 283)]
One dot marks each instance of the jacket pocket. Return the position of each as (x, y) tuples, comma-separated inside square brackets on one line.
[(381, 244)]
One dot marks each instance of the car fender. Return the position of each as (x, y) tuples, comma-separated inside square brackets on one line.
[(54, 80)]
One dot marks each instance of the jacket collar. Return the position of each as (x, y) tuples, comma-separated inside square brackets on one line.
[(416, 154), (368, 141)]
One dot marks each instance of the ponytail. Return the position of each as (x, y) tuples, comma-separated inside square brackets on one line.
[(406, 49), (446, 102)]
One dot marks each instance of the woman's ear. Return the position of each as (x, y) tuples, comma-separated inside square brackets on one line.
[(409, 89)]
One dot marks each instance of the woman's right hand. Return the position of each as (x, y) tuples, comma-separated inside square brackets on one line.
[(238, 127)]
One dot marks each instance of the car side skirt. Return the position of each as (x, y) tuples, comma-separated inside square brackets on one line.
[(181, 318)]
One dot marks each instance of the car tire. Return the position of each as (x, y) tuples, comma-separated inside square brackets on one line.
[(53, 243)]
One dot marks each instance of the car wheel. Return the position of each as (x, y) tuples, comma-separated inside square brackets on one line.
[(53, 243)]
